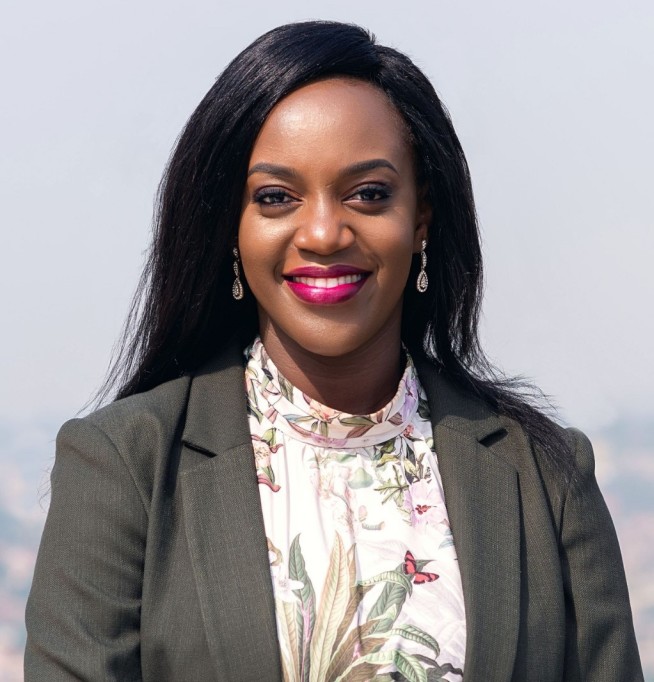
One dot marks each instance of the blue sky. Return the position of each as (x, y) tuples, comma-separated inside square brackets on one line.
[(550, 100)]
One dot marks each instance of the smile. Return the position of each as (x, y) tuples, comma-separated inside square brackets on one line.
[(326, 286), (327, 282)]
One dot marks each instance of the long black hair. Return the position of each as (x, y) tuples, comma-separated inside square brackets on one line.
[(184, 311)]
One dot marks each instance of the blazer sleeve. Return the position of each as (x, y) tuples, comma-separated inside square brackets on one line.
[(600, 641), (83, 610)]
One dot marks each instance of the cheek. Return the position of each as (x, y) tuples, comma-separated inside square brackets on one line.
[(263, 249), (393, 246), (256, 247)]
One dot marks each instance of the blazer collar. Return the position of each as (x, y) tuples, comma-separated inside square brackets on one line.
[(224, 523), (482, 500), (216, 418)]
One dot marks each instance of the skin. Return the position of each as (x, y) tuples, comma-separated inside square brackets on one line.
[(305, 204)]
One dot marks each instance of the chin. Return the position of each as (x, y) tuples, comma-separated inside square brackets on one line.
[(335, 340), (328, 343), (330, 337)]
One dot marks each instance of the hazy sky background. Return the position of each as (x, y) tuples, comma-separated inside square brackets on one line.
[(553, 103)]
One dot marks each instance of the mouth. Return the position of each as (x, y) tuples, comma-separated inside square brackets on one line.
[(326, 286)]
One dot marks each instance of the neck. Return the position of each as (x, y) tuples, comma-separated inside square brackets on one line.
[(359, 382)]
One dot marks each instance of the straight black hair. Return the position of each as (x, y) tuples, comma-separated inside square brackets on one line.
[(184, 311)]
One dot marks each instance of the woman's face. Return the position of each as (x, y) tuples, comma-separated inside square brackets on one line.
[(331, 218)]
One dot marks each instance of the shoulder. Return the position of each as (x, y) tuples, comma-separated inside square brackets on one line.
[(496, 416), (156, 411), (560, 462), (143, 431), (544, 454), (135, 433)]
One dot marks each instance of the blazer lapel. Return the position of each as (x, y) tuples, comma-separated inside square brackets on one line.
[(224, 527), (482, 499)]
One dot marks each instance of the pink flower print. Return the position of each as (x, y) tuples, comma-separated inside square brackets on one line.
[(319, 411), (284, 585), (424, 505), (271, 414), (263, 479), (331, 481), (408, 431), (262, 452)]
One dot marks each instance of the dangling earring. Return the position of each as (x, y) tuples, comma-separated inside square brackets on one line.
[(423, 280), (237, 287)]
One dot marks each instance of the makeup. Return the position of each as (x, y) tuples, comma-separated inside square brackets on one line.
[(326, 286)]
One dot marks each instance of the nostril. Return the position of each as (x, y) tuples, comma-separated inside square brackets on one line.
[(323, 239)]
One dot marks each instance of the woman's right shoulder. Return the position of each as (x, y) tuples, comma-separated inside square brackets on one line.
[(140, 429), (161, 406)]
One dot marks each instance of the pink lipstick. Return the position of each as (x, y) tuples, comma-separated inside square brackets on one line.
[(326, 286)]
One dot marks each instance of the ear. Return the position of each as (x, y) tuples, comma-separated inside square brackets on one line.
[(423, 219)]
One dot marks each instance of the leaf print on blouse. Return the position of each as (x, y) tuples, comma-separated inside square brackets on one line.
[(414, 463), (260, 382), (264, 446), (327, 643), (401, 451), (320, 418), (252, 389), (394, 488), (406, 479)]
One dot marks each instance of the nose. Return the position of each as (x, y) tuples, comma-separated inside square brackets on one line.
[(323, 228)]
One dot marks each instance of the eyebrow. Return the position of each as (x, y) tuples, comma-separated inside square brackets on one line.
[(273, 169), (290, 173)]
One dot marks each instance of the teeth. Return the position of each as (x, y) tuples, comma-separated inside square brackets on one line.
[(327, 282)]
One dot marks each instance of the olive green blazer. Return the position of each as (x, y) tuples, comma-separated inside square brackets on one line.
[(154, 566)]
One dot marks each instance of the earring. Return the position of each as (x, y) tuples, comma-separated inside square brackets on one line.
[(237, 287), (423, 281)]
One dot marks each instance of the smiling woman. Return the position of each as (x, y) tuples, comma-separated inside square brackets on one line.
[(330, 224), (309, 471)]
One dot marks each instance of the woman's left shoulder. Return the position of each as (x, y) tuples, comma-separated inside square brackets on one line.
[(560, 458)]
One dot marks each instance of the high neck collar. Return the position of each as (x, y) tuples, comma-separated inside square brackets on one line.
[(307, 420)]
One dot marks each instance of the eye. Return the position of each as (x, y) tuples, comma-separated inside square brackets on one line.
[(371, 193), (272, 196)]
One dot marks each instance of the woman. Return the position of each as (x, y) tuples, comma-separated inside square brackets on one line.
[(309, 471)]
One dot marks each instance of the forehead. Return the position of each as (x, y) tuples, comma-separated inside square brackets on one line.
[(335, 118)]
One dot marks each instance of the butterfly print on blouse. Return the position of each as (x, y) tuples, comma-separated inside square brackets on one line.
[(410, 568)]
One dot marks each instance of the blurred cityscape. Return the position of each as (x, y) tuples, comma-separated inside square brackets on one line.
[(625, 469)]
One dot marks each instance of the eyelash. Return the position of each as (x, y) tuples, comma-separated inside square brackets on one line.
[(269, 193), (381, 190), (272, 196)]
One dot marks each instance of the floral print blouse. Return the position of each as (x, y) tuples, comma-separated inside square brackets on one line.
[(364, 570)]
